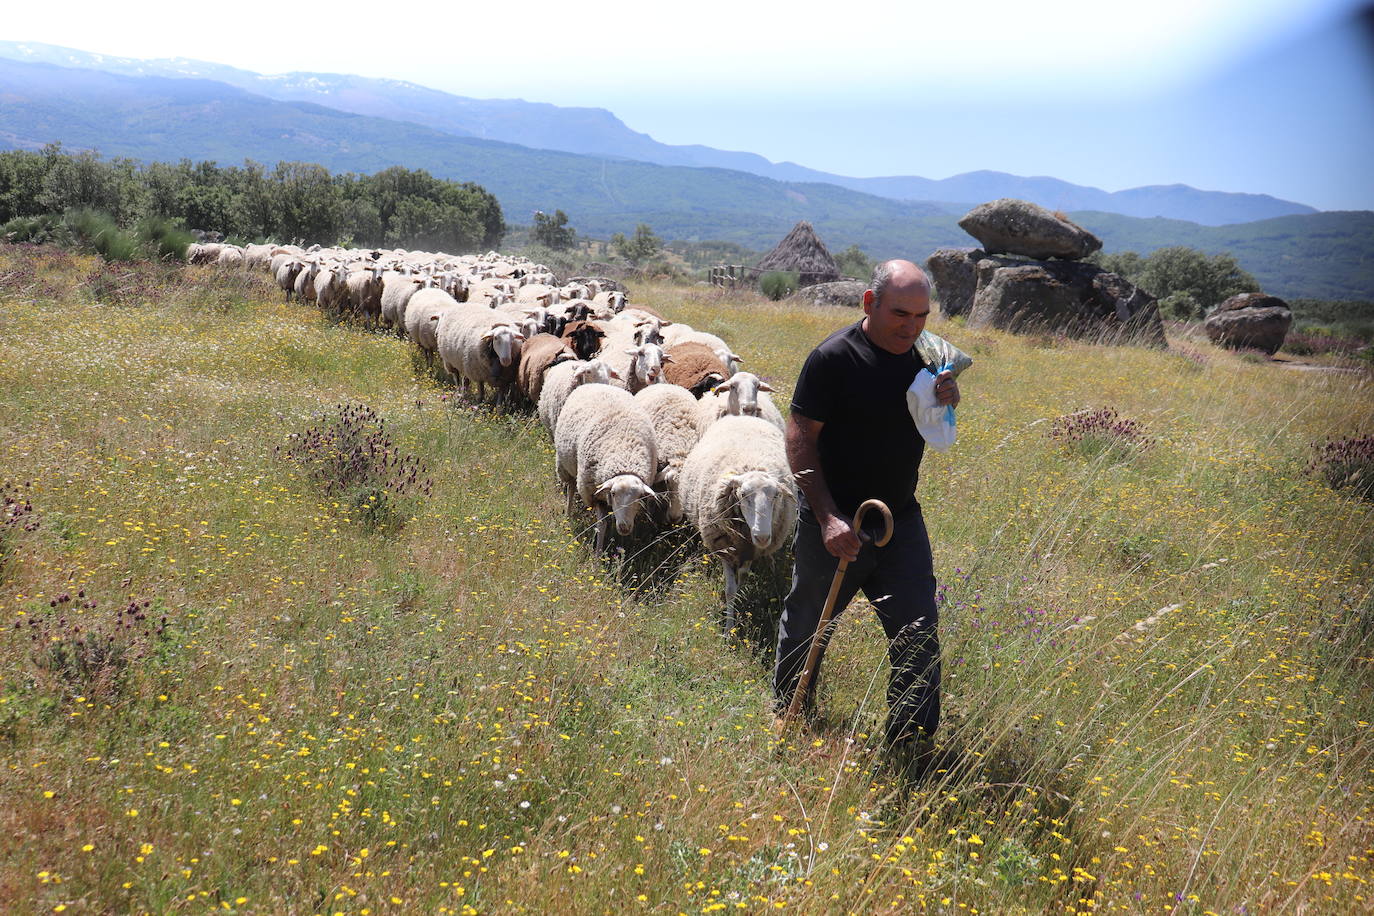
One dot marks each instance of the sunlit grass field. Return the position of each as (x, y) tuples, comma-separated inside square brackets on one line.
[(1157, 657)]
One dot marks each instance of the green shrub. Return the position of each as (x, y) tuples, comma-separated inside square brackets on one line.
[(779, 283), (163, 239), (97, 231), (1181, 306)]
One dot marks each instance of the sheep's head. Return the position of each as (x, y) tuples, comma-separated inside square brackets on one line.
[(503, 340), (625, 496), (742, 391), (647, 363), (707, 382), (594, 371), (762, 502), (730, 359), (649, 331), (585, 339)]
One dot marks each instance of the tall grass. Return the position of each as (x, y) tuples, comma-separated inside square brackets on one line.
[(1157, 669)]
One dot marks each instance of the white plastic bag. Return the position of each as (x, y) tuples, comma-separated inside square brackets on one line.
[(935, 422)]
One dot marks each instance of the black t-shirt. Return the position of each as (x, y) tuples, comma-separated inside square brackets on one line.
[(869, 445)]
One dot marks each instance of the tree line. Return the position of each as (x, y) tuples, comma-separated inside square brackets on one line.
[(294, 201)]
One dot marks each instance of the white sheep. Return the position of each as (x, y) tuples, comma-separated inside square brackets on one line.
[(397, 288), (481, 347), (331, 288), (637, 366), (559, 382), (605, 449), (423, 312), (673, 412), (744, 394), (738, 491), (287, 272), (305, 280)]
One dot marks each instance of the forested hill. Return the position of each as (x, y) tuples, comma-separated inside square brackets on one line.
[(1325, 255)]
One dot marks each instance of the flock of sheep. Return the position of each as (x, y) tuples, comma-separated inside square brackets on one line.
[(652, 422)]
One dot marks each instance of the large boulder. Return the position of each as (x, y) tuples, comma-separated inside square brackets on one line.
[(955, 273), (1067, 297), (1010, 226), (841, 292), (1250, 321)]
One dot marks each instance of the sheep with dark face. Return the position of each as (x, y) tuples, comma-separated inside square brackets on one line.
[(694, 366), (738, 490), (584, 338)]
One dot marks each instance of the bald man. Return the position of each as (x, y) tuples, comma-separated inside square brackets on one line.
[(850, 438)]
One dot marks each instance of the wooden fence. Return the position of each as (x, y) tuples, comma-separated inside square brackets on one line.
[(733, 276)]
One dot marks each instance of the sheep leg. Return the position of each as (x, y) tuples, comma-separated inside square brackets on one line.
[(732, 577), (603, 529)]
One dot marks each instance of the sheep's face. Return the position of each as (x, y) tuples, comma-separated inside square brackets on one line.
[(594, 372), (648, 363), (503, 339), (625, 495), (742, 392), (649, 331), (759, 498)]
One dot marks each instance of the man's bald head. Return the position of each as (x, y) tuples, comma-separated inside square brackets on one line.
[(898, 276)]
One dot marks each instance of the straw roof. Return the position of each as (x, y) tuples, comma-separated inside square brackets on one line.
[(803, 252)]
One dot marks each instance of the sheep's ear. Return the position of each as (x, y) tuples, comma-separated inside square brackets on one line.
[(603, 491), (489, 335), (613, 374), (764, 386), (631, 351), (517, 336), (668, 359), (738, 360), (664, 322)]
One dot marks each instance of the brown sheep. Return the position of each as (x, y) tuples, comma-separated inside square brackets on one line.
[(540, 353), (694, 366)]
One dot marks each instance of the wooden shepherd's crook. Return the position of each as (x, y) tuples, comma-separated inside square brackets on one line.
[(818, 638)]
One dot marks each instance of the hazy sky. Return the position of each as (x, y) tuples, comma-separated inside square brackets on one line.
[(1265, 96)]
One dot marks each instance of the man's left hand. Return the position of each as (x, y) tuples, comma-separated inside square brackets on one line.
[(946, 389)]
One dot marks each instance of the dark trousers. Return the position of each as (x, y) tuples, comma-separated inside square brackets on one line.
[(899, 580)]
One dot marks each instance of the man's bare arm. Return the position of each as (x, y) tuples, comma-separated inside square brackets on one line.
[(804, 455)]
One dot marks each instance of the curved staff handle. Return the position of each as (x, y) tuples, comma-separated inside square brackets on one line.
[(818, 639), (887, 519)]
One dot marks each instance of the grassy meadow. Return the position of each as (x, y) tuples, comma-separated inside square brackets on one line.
[(226, 686)]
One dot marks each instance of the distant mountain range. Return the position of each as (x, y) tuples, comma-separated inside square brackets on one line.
[(157, 118), (598, 132)]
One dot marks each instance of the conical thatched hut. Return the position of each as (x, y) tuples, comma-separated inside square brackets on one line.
[(802, 252)]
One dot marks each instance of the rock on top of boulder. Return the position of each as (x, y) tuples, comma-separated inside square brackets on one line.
[(1251, 301), (1010, 226)]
